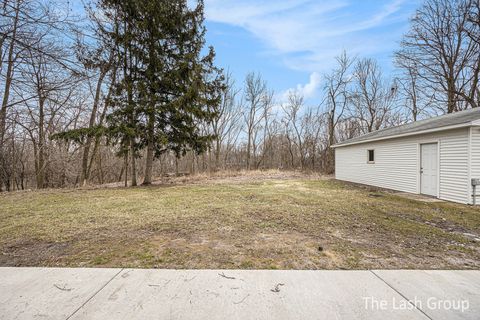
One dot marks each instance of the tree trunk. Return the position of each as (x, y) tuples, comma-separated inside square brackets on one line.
[(119, 179), (41, 145), (451, 103), (249, 146), (313, 156), (86, 149), (150, 74), (150, 150), (331, 142), (96, 144), (177, 173), (217, 155), (101, 175), (8, 79), (134, 165), (6, 93), (126, 169)]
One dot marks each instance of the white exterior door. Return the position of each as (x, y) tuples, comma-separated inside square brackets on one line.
[(429, 169)]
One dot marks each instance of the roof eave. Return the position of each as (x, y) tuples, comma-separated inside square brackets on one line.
[(457, 126)]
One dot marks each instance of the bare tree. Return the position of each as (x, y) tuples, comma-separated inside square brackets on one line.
[(254, 92), (102, 68), (98, 59), (372, 99), (226, 124), (446, 59), (267, 128), (336, 100), (473, 32), (410, 88), (96, 145), (313, 123), (9, 34), (294, 126), (473, 20), (31, 42), (52, 88)]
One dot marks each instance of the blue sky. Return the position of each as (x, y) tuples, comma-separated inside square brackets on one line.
[(293, 42)]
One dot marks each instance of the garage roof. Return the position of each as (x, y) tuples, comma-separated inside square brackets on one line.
[(459, 119)]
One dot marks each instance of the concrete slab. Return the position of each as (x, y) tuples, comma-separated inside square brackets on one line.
[(48, 293), (30, 293), (243, 294), (439, 294)]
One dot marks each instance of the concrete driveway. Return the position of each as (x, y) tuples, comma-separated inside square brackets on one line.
[(51, 293)]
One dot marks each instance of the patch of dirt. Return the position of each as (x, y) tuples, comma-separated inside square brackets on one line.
[(286, 250), (34, 253), (440, 223)]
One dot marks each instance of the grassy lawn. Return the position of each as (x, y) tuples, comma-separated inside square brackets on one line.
[(284, 223)]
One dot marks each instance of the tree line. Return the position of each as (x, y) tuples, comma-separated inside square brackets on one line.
[(131, 92)]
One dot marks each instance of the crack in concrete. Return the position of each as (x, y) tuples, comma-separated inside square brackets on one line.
[(96, 292), (401, 294)]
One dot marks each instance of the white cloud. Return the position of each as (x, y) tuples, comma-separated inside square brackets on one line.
[(306, 35), (308, 90)]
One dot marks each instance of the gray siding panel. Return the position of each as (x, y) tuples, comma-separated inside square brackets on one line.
[(397, 163), (454, 184), (394, 168), (475, 157)]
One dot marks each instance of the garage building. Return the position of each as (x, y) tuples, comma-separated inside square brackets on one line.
[(438, 157)]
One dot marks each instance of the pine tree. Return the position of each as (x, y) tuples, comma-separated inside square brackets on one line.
[(175, 85), (165, 89), (124, 122)]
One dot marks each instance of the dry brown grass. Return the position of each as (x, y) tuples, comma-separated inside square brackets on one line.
[(268, 220)]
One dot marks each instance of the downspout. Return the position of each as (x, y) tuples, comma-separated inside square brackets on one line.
[(469, 169)]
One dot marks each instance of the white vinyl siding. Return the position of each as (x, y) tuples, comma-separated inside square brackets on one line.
[(475, 157), (454, 184), (394, 168), (397, 163)]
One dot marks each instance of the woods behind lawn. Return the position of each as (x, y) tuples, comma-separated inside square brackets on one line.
[(266, 222)]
